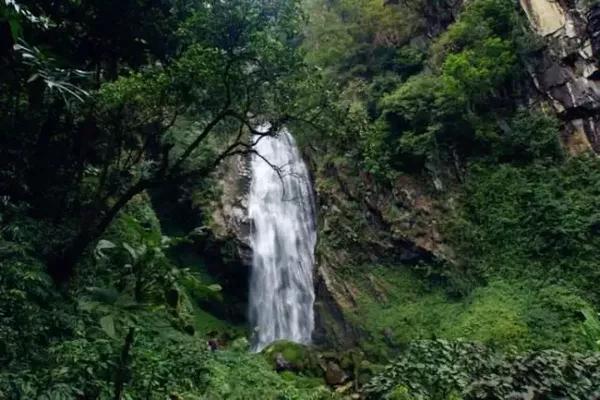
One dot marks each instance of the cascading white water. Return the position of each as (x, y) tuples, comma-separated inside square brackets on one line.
[(281, 208)]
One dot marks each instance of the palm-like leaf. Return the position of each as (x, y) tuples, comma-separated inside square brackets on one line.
[(55, 79)]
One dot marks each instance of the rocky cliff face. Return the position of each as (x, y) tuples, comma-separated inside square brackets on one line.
[(362, 224), (229, 218), (359, 224), (567, 76)]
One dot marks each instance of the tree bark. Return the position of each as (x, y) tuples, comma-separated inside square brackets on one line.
[(122, 369)]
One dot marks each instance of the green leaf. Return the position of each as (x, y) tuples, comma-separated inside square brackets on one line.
[(103, 245), (85, 305), (108, 326), (215, 288), (131, 251)]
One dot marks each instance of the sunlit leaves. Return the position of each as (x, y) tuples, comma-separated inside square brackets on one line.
[(55, 79), (482, 69)]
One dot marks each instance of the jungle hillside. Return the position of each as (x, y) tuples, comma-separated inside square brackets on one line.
[(447, 220)]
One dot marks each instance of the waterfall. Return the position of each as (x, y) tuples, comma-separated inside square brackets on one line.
[(281, 208)]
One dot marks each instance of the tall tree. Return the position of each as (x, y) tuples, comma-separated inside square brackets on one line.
[(229, 63)]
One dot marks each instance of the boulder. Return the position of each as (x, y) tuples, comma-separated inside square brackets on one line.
[(335, 375), (281, 364), (284, 355)]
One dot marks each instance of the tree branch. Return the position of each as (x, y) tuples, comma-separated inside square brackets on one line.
[(205, 132)]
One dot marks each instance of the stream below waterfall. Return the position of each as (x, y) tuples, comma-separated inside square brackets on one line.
[(281, 209)]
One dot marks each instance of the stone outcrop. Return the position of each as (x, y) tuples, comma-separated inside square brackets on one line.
[(334, 375), (284, 355), (362, 224), (567, 74), (229, 218), (546, 15), (439, 14)]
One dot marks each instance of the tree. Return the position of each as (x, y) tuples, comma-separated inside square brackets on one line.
[(232, 63)]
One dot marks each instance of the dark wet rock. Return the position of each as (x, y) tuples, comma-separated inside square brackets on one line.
[(566, 74), (332, 329), (281, 364), (213, 344), (593, 28), (230, 222), (335, 375), (284, 355), (361, 223)]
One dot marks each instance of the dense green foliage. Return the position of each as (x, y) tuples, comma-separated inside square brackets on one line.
[(441, 370), (504, 314), (432, 105), (63, 347), (522, 227), (110, 118), (448, 114), (529, 231), (466, 239), (96, 100), (536, 223)]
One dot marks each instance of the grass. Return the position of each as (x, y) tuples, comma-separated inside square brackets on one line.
[(395, 307)]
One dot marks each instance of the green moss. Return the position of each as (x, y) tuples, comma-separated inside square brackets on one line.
[(247, 376), (493, 315), (396, 307), (293, 352), (301, 358)]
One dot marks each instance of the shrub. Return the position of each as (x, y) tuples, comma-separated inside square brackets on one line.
[(435, 118), (532, 135), (431, 370), (441, 370), (536, 222)]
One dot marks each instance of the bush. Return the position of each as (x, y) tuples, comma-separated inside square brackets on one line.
[(32, 311), (431, 370), (442, 370), (249, 376), (536, 222), (436, 118), (533, 135), (402, 307)]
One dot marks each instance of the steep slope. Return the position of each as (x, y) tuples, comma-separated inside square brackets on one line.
[(397, 257)]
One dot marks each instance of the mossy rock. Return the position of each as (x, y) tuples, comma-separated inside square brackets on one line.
[(301, 359)]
